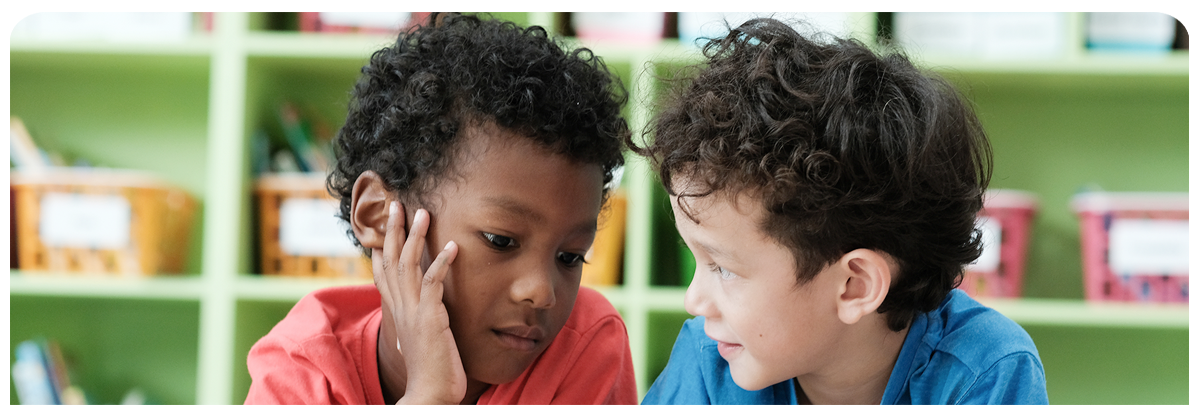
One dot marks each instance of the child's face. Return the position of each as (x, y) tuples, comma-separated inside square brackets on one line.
[(523, 219), (767, 328)]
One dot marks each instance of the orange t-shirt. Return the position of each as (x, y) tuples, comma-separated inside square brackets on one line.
[(323, 352)]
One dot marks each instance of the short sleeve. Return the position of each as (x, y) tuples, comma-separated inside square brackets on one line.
[(1017, 379)]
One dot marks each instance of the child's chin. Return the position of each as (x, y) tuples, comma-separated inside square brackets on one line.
[(750, 378)]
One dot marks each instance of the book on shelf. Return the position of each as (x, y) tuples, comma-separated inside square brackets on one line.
[(307, 143), (23, 151), (41, 375), (28, 155), (31, 375)]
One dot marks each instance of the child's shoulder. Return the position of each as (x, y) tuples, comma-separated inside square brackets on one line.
[(967, 353), (332, 310), (970, 330), (340, 301), (592, 310)]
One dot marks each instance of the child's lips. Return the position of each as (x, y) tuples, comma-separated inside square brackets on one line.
[(524, 338), (727, 349)]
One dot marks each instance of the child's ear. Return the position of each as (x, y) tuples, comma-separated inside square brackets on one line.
[(369, 210), (868, 276)]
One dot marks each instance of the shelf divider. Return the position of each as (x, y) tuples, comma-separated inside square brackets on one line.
[(223, 209)]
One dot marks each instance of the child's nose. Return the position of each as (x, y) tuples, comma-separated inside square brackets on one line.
[(695, 301), (536, 286)]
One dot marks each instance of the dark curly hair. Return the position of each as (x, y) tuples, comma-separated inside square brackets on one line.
[(845, 149), (415, 98)]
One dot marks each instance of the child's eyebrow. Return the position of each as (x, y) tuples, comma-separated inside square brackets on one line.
[(712, 251), (515, 208), (523, 212)]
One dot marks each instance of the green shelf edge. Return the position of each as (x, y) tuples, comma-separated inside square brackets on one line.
[(197, 45), (58, 284)]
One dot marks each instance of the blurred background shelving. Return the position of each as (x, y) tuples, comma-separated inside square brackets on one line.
[(186, 110)]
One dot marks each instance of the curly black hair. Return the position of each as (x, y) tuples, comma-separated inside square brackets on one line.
[(845, 148), (415, 98)]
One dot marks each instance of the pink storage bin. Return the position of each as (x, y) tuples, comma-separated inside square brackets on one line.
[(1005, 220), (619, 27), (1134, 246)]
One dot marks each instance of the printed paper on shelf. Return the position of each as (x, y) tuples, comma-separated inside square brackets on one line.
[(1131, 30), (1148, 246), (989, 260), (985, 35), (308, 227), (1023, 35), (937, 33), (86, 221), (364, 19)]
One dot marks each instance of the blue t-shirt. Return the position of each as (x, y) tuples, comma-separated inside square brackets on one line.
[(961, 353)]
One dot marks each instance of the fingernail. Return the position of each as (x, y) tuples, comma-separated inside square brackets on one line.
[(448, 245), (393, 208)]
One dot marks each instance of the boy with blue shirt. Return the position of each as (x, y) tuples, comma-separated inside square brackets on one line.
[(829, 196)]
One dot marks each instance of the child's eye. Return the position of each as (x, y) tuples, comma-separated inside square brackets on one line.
[(570, 260), (500, 242), (722, 272)]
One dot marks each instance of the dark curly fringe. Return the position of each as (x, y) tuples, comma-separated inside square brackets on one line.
[(846, 149), (415, 97)]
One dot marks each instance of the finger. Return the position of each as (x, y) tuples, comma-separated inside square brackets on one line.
[(393, 238), (441, 265), (410, 259), (431, 284)]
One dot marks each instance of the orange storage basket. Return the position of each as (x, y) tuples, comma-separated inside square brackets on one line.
[(153, 222), (273, 195)]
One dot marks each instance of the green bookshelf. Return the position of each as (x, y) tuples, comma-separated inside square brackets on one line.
[(186, 111)]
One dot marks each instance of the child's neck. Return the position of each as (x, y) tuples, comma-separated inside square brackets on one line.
[(860, 376)]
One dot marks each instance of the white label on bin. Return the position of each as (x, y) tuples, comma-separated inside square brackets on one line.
[(989, 260), (84, 221), (1147, 246), (309, 227)]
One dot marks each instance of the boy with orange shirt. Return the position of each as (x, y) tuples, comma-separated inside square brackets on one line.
[(472, 167)]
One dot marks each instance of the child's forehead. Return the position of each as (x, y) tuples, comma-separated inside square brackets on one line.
[(701, 202), (478, 137)]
